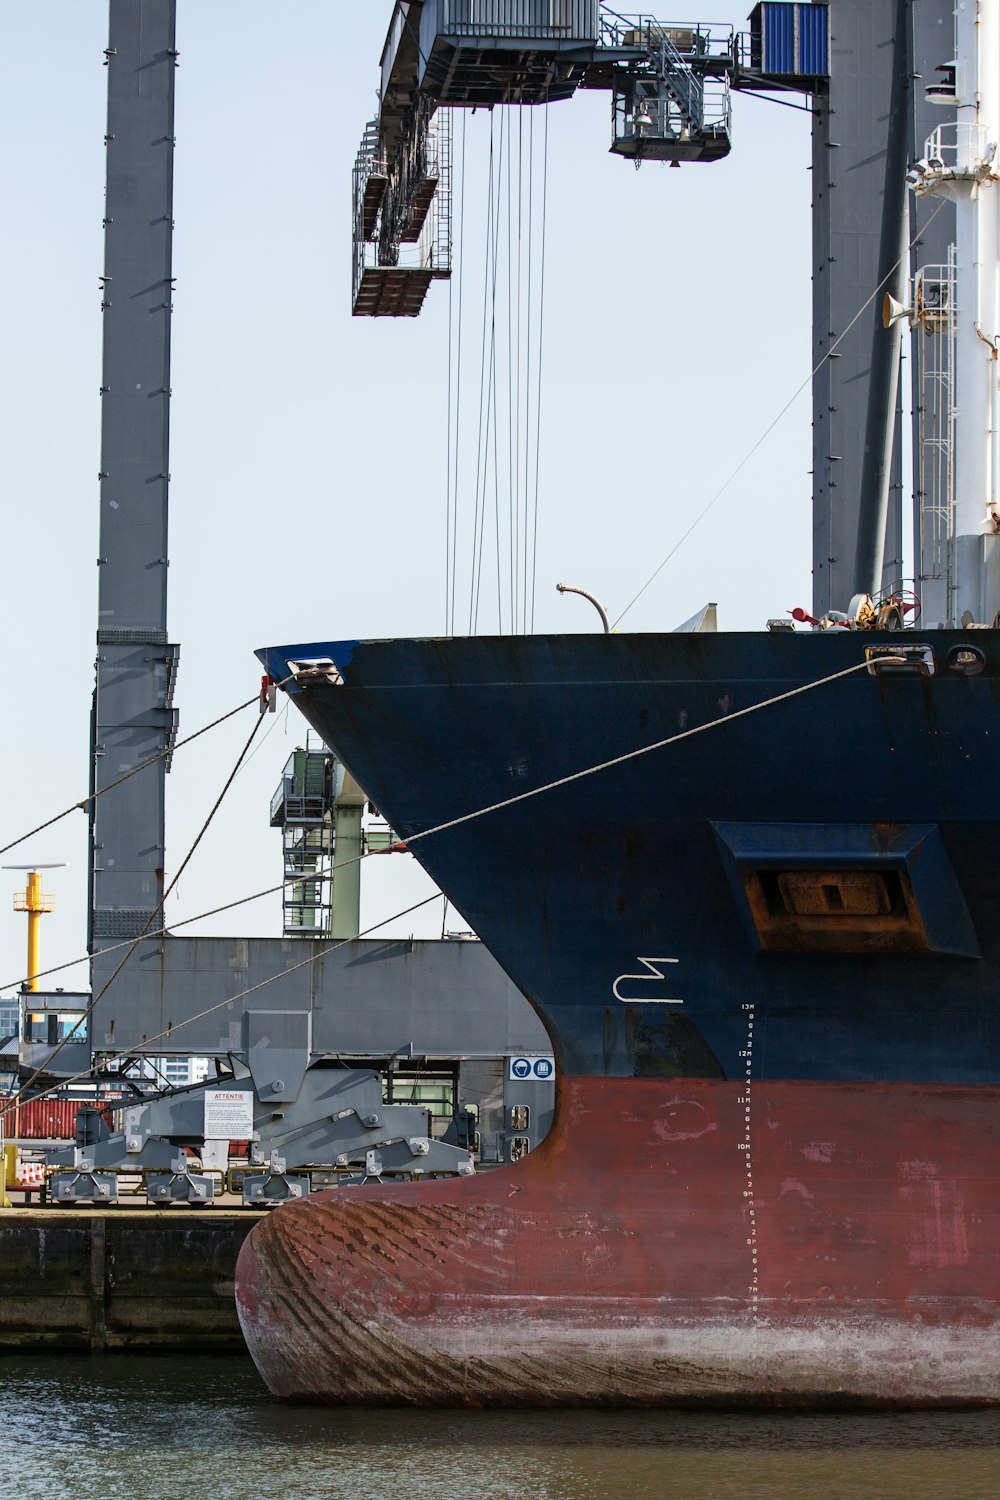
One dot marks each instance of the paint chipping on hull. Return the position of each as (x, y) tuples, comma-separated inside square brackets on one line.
[(627, 1263)]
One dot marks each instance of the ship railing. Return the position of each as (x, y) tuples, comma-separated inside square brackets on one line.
[(934, 314), (958, 146)]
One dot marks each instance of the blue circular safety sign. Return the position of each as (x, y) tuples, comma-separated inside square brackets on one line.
[(537, 1069)]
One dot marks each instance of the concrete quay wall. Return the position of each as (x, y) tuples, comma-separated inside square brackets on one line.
[(120, 1279)]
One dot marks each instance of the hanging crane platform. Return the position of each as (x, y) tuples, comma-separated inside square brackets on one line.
[(402, 196)]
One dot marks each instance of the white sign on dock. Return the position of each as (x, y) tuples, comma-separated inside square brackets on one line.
[(228, 1114)]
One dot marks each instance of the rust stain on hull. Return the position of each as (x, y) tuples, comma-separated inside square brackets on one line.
[(627, 1263)]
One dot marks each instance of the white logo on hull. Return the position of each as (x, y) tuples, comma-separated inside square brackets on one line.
[(653, 975)]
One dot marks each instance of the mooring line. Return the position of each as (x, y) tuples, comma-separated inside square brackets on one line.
[(673, 739), (159, 1036)]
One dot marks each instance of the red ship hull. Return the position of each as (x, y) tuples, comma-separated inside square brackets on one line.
[(673, 1241)]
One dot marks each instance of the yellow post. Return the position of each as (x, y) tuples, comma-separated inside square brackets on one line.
[(9, 1176), (33, 901)]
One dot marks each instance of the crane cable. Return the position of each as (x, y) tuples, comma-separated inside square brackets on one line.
[(487, 373), (508, 279), (403, 845), (514, 381), (454, 409), (529, 619), (450, 823), (143, 766), (160, 1036), (479, 430), (920, 232), (134, 942), (158, 933)]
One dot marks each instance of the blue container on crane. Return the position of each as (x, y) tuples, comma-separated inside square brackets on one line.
[(790, 41)]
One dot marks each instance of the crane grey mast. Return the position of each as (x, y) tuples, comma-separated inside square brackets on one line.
[(133, 717), (396, 991), (883, 383), (850, 142), (669, 87)]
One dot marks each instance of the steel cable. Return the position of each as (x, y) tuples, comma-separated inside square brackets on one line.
[(134, 942), (220, 1005), (143, 766), (620, 760), (538, 375), (445, 826), (922, 229), (402, 846)]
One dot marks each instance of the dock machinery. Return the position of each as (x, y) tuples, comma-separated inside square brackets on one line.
[(670, 86), (411, 999), (670, 90)]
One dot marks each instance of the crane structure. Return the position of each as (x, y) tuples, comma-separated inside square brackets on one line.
[(133, 717), (363, 1019), (670, 88)]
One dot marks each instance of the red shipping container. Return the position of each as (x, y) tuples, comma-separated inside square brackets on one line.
[(45, 1120)]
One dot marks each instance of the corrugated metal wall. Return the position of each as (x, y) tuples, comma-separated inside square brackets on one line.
[(814, 31), (513, 18), (46, 1119), (793, 39), (778, 28)]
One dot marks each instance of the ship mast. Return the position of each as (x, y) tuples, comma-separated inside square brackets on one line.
[(960, 163)]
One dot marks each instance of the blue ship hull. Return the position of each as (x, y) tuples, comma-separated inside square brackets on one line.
[(766, 954), (876, 794)]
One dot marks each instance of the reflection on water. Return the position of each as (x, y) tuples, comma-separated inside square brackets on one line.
[(160, 1428)]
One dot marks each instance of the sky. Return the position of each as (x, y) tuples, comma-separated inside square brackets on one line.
[(312, 467)]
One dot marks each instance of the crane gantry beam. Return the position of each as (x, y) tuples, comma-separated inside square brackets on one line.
[(670, 88)]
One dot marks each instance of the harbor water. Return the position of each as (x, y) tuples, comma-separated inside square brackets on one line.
[(170, 1426)]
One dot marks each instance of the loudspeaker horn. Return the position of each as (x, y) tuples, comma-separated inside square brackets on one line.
[(892, 310)]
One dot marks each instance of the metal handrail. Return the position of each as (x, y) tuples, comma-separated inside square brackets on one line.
[(711, 40), (956, 145)]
